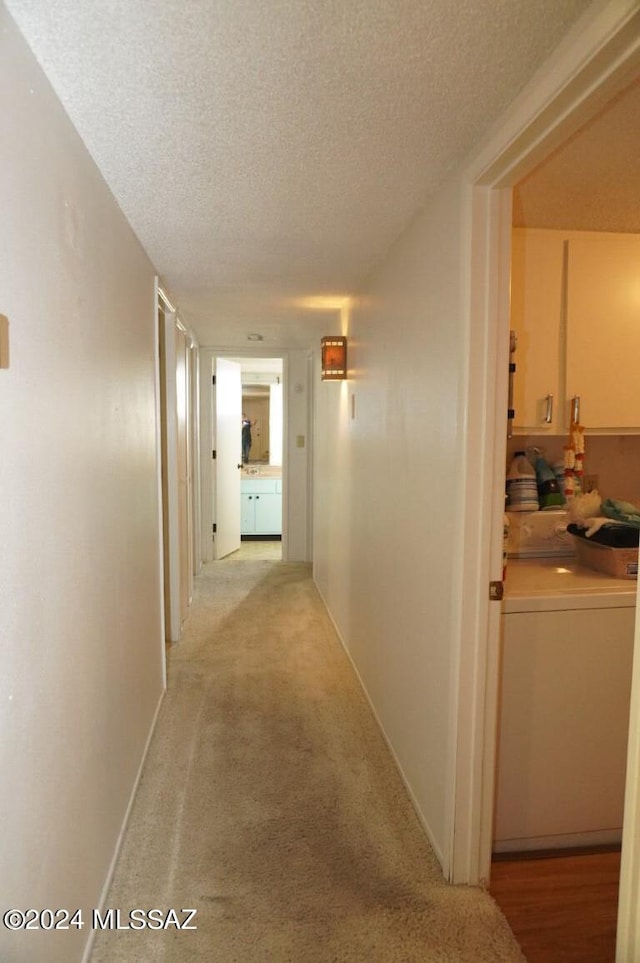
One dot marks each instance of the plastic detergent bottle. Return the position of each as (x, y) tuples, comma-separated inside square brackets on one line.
[(558, 471), (522, 486), (549, 492)]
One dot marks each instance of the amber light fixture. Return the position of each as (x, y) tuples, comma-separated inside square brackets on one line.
[(334, 357)]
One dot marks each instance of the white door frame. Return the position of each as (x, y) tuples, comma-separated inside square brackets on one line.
[(586, 70), (159, 378), (226, 469), (179, 560), (194, 439), (172, 529)]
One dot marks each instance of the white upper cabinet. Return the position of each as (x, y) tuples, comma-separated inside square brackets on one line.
[(603, 329), (536, 302), (575, 306)]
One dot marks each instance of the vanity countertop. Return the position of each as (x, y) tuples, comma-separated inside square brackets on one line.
[(262, 471)]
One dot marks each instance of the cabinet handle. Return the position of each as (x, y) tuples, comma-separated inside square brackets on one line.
[(575, 409), (549, 415)]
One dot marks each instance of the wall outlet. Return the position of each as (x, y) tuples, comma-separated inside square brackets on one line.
[(589, 483)]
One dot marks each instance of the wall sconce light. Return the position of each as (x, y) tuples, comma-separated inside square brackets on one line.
[(334, 358)]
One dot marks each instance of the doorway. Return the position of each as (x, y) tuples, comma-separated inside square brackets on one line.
[(583, 75), (178, 421), (261, 481), (584, 195), (297, 436)]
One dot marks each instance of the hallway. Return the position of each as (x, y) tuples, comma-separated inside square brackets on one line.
[(269, 802)]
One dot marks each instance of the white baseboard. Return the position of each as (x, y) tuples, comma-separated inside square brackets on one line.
[(114, 859), (421, 816), (530, 844)]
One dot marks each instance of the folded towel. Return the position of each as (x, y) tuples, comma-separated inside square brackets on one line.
[(621, 511), (604, 531)]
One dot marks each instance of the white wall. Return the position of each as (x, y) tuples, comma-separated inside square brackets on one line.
[(297, 500), (400, 555), (385, 490), (80, 603)]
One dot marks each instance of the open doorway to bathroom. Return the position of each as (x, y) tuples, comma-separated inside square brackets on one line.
[(295, 470), (261, 482)]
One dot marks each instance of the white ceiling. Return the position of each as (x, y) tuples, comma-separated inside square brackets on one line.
[(269, 151), (592, 181)]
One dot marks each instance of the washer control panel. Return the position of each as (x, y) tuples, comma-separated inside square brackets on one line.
[(539, 534)]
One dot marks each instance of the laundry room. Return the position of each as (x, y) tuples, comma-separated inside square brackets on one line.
[(572, 494)]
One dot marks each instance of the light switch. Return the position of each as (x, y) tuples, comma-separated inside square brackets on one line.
[(299, 441), (4, 341)]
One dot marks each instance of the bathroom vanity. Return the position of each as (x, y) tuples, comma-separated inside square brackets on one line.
[(261, 506)]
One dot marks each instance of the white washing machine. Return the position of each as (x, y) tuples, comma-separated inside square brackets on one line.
[(566, 657), (543, 574)]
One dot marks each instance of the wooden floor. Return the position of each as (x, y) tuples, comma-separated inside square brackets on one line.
[(562, 909)]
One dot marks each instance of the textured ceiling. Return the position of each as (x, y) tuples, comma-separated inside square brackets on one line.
[(267, 151), (592, 182)]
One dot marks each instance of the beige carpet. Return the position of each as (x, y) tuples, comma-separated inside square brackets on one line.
[(270, 804), (257, 549)]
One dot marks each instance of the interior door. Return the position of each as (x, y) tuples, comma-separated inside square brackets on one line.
[(227, 464)]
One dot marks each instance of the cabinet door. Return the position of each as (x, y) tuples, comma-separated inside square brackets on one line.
[(565, 690), (603, 329), (247, 514), (268, 509), (536, 310)]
